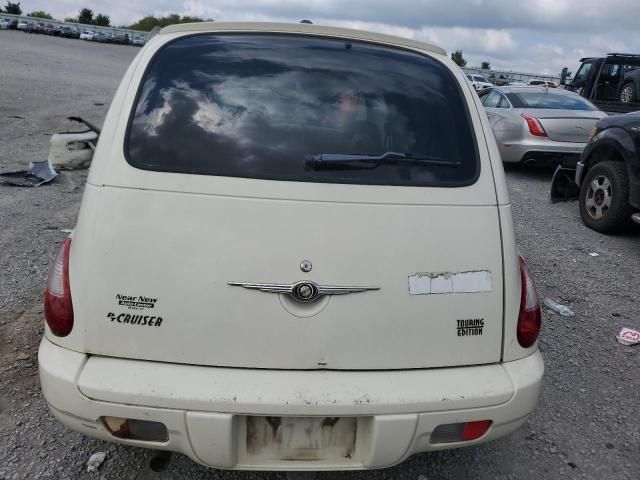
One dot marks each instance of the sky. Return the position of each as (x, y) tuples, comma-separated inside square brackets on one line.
[(537, 36)]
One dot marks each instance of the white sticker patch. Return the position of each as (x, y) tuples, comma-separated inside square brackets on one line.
[(461, 282)]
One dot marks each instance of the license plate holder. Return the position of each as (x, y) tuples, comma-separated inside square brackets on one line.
[(273, 439)]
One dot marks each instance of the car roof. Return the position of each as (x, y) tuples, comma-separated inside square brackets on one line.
[(303, 28)]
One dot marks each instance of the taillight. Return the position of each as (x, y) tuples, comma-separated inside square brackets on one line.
[(529, 319), (58, 310), (535, 127), (460, 432)]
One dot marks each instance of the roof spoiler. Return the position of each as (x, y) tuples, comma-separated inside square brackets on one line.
[(154, 31)]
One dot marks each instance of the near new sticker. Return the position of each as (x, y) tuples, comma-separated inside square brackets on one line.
[(135, 302)]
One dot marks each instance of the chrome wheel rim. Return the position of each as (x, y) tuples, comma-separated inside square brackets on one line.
[(599, 195), (626, 94)]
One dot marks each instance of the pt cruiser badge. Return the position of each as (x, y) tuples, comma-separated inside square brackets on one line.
[(303, 291)]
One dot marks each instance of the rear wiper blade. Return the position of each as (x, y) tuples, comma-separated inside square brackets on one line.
[(373, 161)]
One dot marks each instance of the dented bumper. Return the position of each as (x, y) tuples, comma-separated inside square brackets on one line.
[(209, 411)]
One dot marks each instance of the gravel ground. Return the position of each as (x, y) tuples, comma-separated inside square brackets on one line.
[(586, 424)]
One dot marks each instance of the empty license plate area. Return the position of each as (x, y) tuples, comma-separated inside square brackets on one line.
[(272, 440)]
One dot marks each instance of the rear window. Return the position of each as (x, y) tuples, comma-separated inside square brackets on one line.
[(550, 100), (257, 106)]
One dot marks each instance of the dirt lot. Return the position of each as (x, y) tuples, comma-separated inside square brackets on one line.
[(587, 422)]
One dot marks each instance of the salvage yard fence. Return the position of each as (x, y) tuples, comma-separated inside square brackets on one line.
[(501, 76)]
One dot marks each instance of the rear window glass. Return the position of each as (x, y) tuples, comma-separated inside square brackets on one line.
[(258, 106), (554, 101)]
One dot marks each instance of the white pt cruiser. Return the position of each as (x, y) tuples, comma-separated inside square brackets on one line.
[(295, 251)]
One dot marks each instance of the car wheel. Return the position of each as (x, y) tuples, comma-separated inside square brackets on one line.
[(604, 194), (628, 93)]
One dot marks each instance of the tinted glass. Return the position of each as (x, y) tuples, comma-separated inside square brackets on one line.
[(583, 72), (255, 106), (556, 101)]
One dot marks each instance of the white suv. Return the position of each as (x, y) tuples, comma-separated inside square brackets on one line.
[(295, 251), (479, 82)]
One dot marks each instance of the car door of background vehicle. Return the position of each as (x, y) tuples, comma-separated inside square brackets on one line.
[(583, 83), (499, 111), (609, 81)]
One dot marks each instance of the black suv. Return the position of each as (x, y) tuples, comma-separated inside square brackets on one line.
[(612, 82), (608, 174)]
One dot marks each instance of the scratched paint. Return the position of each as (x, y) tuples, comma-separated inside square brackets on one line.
[(427, 283)]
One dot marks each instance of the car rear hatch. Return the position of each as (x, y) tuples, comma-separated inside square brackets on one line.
[(211, 195)]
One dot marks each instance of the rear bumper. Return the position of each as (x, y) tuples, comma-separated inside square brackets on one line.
[(204, 408), (542, 149)]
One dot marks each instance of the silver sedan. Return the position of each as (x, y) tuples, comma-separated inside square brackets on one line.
[(539, 123)]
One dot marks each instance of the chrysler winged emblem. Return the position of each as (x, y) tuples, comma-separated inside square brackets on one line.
[(303, 291)]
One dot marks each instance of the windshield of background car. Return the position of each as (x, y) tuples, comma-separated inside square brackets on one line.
[(554, 101), (256, 106)]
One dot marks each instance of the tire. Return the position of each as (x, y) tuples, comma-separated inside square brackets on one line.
[(604, 194), (628, 93)]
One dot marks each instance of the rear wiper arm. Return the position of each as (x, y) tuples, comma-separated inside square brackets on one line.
[(373, 161)]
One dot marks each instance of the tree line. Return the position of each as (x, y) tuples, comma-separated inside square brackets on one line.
[(87, 17), (459, 60)]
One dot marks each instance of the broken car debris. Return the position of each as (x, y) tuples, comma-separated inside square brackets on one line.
[(67, 151), (95, 461), (559, 308), (38, 173)]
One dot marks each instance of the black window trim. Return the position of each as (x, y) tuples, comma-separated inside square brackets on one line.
[(444, 184)]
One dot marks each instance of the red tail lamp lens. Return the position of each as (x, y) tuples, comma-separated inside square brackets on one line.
[(530, 317), (474, 430), (58, 309), (535, 127)]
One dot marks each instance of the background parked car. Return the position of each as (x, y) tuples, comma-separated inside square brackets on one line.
[(23, 25), (68, 32), (87, 35), (138, 40), (4, 24), (538, 123), (543, 83), (31, 28), (101, 37), (37, 28), (611, 82), (50, 29), (479, 82)]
